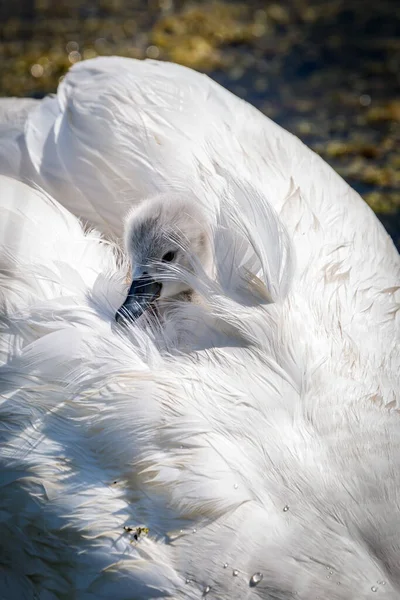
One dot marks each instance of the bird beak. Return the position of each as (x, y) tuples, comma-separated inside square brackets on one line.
[(142, 293)]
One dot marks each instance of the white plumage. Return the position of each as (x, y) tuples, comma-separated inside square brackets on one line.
[(271, 444)]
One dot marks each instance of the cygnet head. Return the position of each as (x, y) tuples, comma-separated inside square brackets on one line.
[(162, 236)]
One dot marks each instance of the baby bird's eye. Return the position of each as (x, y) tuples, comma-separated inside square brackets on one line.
[(169, 256)]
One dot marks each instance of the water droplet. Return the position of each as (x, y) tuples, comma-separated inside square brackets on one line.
[(328, 576), (181, 531), (285, 508), (381, 582), (331, 572), (226, 565), (256, 578), (236, 486), (207, 589), (188, 581), (235, 572), (374, 588), (194, 530)]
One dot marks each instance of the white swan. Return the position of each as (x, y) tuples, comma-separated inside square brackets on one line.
[(256, 470), (269, 437), (163, 235)]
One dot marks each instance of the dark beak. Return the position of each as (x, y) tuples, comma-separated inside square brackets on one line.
[(142, 293)]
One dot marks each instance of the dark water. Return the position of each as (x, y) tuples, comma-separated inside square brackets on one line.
[(326, 70)]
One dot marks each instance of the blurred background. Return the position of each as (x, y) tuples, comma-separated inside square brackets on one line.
[(327, 70)]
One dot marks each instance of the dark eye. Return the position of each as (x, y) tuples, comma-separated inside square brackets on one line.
[(169, 256)]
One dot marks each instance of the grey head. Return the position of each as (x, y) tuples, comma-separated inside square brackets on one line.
[(163, 235)]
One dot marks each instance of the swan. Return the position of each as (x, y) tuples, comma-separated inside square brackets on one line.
[(258, 470), (163, 231), (263, 460)]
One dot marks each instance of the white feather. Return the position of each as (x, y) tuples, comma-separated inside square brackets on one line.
[(271, 435)]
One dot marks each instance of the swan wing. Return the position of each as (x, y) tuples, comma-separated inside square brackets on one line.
[(119, 130), (256, 474)]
